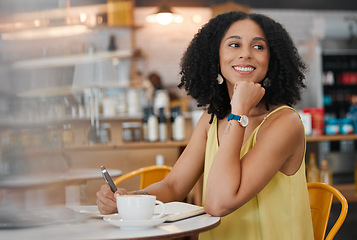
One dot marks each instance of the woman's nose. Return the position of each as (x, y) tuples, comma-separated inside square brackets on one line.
[(245, 53)]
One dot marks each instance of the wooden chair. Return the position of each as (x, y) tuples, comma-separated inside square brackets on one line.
[(321, 196), (149, 175)]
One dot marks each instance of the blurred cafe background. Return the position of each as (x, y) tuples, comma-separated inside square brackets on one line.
[(85, 83)]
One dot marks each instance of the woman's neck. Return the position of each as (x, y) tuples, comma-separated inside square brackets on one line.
[(261, 109)]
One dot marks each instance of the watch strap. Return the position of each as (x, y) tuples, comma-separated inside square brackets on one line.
[(234, 117)]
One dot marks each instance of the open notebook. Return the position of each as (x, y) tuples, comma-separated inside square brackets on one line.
[(180, 210)]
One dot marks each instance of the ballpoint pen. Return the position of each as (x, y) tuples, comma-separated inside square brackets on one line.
[(108, 179)]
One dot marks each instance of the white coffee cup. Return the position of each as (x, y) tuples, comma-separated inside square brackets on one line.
[(138, 207)]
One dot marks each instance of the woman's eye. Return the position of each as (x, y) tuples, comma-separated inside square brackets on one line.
[(259, 47), (234, 45)]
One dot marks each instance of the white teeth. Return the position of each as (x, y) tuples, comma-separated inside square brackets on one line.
[(244, 69)]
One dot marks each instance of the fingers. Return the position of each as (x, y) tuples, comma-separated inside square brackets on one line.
[(244, 84), (120, 191), (105, 200), (106, 209), (246, 95), (249, 88)]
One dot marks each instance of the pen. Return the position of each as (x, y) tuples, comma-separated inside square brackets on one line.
[(108, 179)]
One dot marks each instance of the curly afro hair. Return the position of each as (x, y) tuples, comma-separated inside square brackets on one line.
[(199, 65)]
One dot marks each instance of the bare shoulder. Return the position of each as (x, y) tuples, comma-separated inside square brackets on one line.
[(285, 122), (203, 123), (286, 114), (283, 134)]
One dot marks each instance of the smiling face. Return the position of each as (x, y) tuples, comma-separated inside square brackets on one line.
[(244, 53)]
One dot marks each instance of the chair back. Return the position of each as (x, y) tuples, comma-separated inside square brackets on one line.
[(321, 196), (148, 175)]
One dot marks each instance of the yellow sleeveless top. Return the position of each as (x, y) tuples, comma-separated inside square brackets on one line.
[(280, 211)]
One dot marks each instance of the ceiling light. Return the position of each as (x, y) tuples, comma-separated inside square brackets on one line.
[(197, 18), (164, 15), (82, 17)]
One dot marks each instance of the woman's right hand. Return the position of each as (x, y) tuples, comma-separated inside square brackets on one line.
[(246, 95), (106, 200)]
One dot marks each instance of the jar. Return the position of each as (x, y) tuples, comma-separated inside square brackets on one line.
[(162, 100), (104, 133), (131, 131), (67, 134), (332, 126), (108, 107), (133, 101), (346, 126)]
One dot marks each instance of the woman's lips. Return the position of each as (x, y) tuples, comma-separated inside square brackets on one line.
[(244, 69)]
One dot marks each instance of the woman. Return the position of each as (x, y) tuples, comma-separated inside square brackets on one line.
[(249, 143)]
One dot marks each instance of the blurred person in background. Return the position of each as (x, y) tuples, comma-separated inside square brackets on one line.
[(155, 80)]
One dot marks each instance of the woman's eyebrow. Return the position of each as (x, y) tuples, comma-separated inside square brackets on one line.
[(259, 39), (238, 37), (234, 36)]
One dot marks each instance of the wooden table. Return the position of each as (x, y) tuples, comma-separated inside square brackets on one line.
[(92, 228)]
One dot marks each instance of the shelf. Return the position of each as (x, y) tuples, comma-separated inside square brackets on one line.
[(339, 87), (339, 137), (338, 109), (340, 52), (71, 60), (339, 62), (125, 117), (127, 145), (68, 119)]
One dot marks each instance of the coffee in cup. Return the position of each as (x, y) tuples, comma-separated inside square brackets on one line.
[(138, 207)]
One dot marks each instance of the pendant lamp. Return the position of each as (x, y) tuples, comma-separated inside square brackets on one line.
[(164, 15)]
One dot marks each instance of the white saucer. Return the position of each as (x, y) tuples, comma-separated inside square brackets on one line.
[(115, 220), (90, 211)]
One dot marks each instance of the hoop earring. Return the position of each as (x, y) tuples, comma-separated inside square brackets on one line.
[(266, 82), (220, 79)]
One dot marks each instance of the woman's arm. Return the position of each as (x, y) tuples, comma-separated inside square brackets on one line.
[(233, 180), (181, 179)]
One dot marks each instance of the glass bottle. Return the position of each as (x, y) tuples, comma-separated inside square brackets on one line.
[(313, 172), (356, 176), (153, 126), (353, 111), (67, 134), (177, 124), (112, 45), (326, 173), (145, 124), (162, 125)]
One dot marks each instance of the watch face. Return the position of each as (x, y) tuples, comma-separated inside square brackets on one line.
[(244, 121)]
